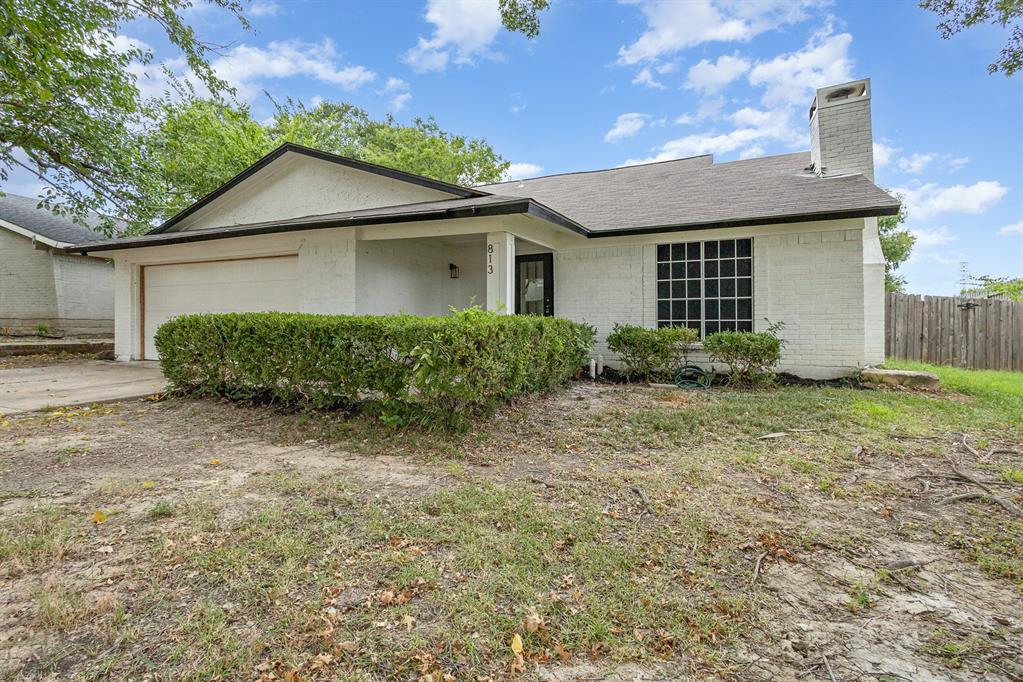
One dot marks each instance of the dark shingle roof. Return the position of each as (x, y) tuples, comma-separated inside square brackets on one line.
[(698, 192), (24, 212)]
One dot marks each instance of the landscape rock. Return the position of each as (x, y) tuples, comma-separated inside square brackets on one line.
[(901, 377)]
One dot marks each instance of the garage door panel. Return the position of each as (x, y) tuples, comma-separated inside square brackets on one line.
[(251, 285)]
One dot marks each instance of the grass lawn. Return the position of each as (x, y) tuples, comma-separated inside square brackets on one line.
[(794, 532)]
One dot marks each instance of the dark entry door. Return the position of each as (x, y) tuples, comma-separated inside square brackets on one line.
[(534, 284)]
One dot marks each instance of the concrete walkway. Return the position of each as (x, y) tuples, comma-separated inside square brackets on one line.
[(93, 381)]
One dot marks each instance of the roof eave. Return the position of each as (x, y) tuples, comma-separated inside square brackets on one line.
[(394, 174), (35, 236), (872, 212), (511, 207)]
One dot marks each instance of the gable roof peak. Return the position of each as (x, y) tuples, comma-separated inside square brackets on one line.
[(294, 148)]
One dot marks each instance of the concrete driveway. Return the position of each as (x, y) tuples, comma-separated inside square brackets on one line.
[(59, 385)]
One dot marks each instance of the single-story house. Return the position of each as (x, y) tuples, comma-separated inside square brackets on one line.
[(790, 238), (42, 284)]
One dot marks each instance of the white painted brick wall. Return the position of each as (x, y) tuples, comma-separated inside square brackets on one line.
[(841, 140), (85, 294), (813, 282), (70, 293), (27, 291)]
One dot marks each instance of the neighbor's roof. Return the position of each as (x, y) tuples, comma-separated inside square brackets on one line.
[(23, 212), (696, 192), (471, 207)]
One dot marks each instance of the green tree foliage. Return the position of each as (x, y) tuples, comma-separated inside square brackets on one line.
[(1010, 287), (71, 111), (957, 15), (896, 243), (199, 144), (522, 16), (69, 102)]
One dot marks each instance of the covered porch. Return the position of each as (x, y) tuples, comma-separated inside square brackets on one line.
[(498, 271)]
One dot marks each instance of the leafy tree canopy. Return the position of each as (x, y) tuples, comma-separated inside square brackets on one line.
[(200, 143), (957, 15), (1010, 287), (896, 243), (72, 114), (68, 97)]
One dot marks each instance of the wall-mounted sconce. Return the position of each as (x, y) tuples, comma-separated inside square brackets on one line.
[(453, 269)]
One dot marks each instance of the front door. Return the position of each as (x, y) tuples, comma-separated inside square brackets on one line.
[(534, 284)]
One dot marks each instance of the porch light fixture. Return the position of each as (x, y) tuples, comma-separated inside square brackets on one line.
[(453, 270)]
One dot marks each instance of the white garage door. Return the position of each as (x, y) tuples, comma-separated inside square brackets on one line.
[(233, 286)]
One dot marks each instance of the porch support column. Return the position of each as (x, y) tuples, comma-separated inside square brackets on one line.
[(501, 272)]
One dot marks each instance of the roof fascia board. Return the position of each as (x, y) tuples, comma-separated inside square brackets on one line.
[(779, 220), (34, 236), (505, 208), (394, 174)]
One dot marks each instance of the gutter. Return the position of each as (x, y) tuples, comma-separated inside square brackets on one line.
[(510, 207)]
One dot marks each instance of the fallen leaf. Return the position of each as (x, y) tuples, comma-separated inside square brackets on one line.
[(98, 517), (348, 646), (105, 549), (148, 484), (516, 643), (408, 621), (215, 462)]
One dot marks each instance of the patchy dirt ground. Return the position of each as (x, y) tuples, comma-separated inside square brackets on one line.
[(605, 532)]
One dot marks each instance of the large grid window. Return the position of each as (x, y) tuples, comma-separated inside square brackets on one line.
[(707, 286)]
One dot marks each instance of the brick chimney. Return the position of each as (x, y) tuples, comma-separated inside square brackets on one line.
[(841, 142)]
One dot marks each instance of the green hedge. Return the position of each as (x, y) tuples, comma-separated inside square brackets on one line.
[(651, 353), (407, 367)]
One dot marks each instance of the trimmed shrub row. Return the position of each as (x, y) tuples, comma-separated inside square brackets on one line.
[(656, 353), (409, 368)]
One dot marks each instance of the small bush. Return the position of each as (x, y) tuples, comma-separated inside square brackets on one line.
[(751, 356), (651, 353), (408, 368)]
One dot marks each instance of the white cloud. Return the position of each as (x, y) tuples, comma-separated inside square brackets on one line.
[(399, 101), (646, 77), (915, 163), (956, 162), (685, 120), (518, 171), (883, 154), (1015, 228), (245, 67), (400, 91), (463, 29), (264, 9), (930, 238), (930, 199), (673, 25), (711, 77), (753, 128), (791, 79), (517, 108), (627, 125)]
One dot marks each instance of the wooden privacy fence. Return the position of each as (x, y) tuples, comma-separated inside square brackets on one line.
[(979, 333)]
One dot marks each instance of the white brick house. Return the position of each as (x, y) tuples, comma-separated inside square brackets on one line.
[(790, 238), (41, 284)]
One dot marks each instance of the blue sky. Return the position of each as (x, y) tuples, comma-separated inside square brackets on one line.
[(609, 83)]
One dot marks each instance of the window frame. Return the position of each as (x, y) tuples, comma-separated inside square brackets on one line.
[(671, 300)]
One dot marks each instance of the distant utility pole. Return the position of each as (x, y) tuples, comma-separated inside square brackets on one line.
[(964, 276)]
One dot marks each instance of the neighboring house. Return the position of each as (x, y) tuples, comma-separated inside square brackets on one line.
[(790, 238), (41, 284)]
